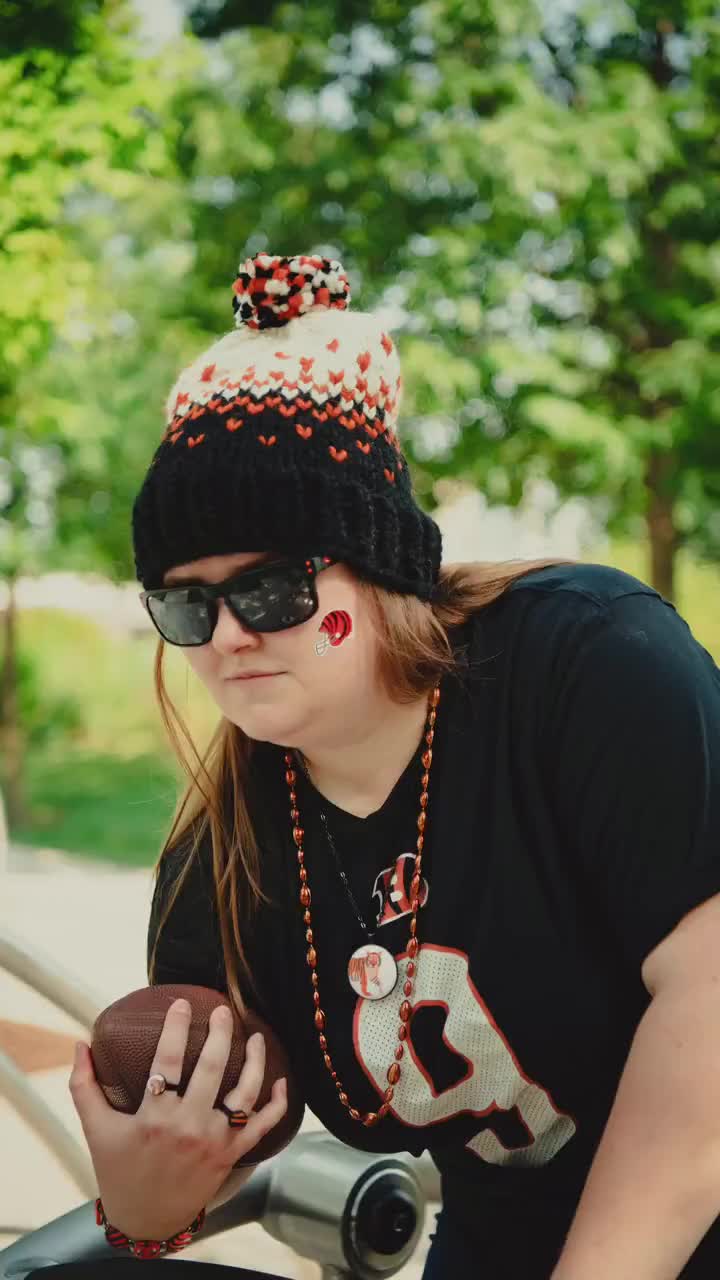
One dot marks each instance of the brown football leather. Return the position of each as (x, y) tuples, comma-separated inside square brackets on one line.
[(126, 1034)]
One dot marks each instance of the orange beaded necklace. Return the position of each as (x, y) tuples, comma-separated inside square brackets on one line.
[(393, 1074)]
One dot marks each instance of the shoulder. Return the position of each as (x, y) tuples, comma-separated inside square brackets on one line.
[(573, 600), (575, 645), (593, 618), (600, 584), (548, 614)]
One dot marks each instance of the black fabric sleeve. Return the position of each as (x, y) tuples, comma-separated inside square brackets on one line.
[(630, 742), (189, 949)]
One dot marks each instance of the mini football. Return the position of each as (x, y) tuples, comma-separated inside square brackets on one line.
[(126, 1034)]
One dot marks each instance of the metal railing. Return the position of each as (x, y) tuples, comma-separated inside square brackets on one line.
[(46, 977)]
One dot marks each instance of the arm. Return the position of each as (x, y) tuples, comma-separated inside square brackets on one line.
[(632, 719), (654, 1187), (190, 950)]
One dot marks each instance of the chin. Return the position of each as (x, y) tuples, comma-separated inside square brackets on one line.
[(274, 726)]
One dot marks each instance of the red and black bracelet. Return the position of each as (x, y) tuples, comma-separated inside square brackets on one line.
[(146, 1248)]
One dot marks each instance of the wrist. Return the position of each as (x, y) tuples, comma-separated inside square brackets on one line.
[(144, 1241), (143, 1226)]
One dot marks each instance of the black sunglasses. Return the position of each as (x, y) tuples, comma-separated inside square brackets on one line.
[(273, 597)]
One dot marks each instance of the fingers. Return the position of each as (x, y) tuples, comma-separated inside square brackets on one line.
[(206, 1079), (246, 1092), (260, 1122), (170, 1050), (244, 1097), (90, 1101)]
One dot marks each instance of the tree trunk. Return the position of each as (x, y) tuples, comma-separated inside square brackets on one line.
[(12, 741), (662, 534)]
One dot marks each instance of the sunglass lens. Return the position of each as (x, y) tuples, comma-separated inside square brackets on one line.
[(278, 601), (181, 620)]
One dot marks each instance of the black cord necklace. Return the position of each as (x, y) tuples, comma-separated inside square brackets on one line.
[(348, 890), (372, 970), (361, 919)]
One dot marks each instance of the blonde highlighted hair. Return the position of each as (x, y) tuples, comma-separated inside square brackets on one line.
[(413, 653)]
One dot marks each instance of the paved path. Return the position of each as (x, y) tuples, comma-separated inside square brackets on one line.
[(91, 919)]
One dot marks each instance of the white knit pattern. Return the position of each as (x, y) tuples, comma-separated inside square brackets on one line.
[(315, 357)]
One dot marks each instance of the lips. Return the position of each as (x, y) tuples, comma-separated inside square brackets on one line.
[(254, 675)]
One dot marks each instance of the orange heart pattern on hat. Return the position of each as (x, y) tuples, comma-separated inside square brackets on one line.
[(333, 367)]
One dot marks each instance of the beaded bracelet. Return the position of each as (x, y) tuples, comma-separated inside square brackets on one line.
[(146, 1248)]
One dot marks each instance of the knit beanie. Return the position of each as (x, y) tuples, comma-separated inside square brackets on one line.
[(281, 437)]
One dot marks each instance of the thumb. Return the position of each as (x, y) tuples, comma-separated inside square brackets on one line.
[(90, 1101)]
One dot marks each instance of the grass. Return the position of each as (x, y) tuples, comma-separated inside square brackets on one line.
[(108, 791), (99, 805)]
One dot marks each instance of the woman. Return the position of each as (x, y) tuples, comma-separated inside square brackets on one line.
[(451, 826)]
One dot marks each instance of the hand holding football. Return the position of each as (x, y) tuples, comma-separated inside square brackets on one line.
[(126, 1034)]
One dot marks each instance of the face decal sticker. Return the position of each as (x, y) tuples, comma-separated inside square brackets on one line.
[(335, 627)]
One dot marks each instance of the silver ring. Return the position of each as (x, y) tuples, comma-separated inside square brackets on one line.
[(157, 1084)]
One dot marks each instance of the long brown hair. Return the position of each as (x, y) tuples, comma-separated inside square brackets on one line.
[(413, 653)]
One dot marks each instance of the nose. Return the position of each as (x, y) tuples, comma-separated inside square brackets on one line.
[(229, 634)]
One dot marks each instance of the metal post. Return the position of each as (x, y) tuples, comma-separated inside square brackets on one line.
[(4, 838), (33, 1109), (43, 974)]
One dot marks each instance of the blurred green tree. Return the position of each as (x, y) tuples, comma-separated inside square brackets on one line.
[(82, 149), (528, 193), (60, 25), (533, 190)]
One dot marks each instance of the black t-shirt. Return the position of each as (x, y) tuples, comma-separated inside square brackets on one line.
[(573, 820)]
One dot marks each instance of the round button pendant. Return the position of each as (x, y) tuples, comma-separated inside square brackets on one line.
[(372, 972)]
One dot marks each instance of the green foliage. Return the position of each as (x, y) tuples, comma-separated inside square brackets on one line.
[(530, 195), (105, 784), (212, 18), (45, 720), (83, 156), (61, 25), (538, 190), (110, 675), (99, 806)]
